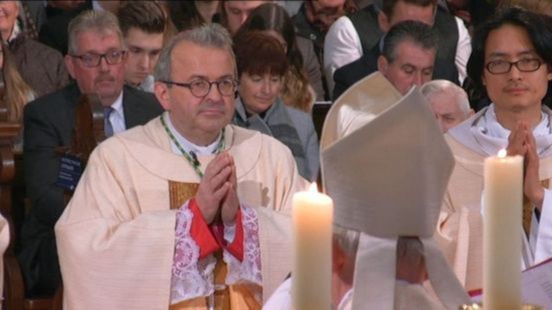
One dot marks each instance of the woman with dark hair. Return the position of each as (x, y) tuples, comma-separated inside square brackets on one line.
[(304, 67), (262, 65)]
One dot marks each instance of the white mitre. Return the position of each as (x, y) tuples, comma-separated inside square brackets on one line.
[(386, 165)]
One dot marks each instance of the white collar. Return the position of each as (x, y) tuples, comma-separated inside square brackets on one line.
[(117, 105), (186, 144), (482, 134), (346, 300), (147, 84), (15, 32), (96, 6), (489, 125)]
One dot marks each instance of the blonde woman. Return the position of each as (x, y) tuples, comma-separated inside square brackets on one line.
[(16, 93)]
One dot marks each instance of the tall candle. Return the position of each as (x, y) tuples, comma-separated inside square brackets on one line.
[(312, 257), (502, 232)]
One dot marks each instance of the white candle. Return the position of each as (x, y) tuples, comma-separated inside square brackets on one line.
[(312, 257), (502, 232)]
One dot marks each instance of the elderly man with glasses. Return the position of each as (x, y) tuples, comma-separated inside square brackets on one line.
[(96, 61), (511, 62), (186, 211)]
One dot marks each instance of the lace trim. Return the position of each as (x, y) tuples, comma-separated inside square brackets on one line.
[(248, 271), (191, 277)]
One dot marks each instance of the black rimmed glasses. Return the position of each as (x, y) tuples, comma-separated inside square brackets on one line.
[(91, 60), (523, 65), (200, 88)]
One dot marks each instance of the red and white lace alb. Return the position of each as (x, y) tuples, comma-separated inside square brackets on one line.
[(192, 277)]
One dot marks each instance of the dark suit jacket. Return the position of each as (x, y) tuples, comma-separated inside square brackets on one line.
[(48, 123), (349, 74)]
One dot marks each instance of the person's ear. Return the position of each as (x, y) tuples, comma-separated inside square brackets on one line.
[(383, 64), (383, 22), (162, 94), (17, 11), (70, 65)]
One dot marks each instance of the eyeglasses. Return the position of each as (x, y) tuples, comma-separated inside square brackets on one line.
[(200, 88), (523, 65), (93, 60)]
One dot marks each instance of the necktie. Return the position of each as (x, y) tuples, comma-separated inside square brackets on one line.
[(108, 128)]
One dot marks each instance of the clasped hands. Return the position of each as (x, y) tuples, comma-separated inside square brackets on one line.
[(522, 142), (216, 195)]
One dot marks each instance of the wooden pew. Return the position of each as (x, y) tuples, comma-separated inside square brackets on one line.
[(87, 133), (13, 283)]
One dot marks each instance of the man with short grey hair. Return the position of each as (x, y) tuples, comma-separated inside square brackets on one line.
[(96, 61), (187, 202), (448, 101)]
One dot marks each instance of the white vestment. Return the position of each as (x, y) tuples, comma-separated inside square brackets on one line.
[(460, 230)]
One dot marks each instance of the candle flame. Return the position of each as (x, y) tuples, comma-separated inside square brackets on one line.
[(313, 188), (502, 153)]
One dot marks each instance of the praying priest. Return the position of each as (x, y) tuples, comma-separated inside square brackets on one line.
[(384, 219), (186, 211), (511, 63)]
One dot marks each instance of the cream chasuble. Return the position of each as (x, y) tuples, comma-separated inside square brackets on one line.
[(116, 237)]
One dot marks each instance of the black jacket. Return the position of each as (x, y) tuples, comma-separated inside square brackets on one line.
[(48, 124)]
